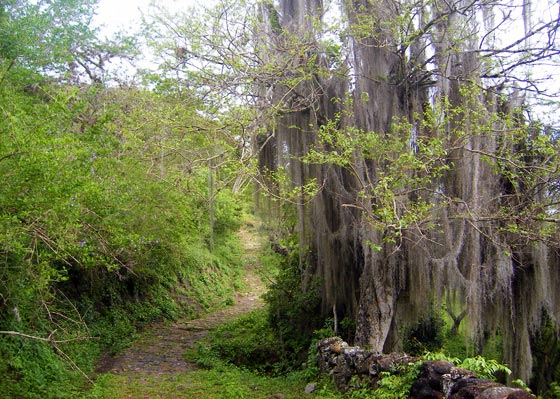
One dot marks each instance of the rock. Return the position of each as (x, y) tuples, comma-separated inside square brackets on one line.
[(434, 370), (391, 361), (473, 387), (363, 361), (429, 384), (455, 375), (505, 393), (310, 388), (350, 363), (422, 390), (520, 394), (470, 387), (354, 367), (279, 396)]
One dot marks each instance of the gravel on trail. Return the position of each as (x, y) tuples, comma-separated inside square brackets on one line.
[(161, 349)]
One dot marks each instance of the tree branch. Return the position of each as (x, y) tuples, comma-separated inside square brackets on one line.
[(49, 339), (54, 343)]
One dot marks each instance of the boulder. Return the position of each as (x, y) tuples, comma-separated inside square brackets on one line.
[(505, 393), (355, 367), (469, 388), (429, 384)]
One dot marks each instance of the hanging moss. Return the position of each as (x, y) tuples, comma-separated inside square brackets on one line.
[(423, 188)]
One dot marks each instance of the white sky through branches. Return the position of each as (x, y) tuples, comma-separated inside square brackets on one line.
[(127, 14)]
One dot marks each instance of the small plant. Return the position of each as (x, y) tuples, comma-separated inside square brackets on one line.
[(205, 357), (247, 342), (396, 385), (427, 335), (553, 392), (293, 314), (484, 368)]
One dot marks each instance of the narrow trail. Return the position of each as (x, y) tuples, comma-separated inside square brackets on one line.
[(160, 351)]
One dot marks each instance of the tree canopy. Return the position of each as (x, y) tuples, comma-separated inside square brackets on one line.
[(405, 154), (409, 138)]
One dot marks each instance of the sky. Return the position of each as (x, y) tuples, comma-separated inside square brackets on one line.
[(127, 13), (126, 16), (119, 14)]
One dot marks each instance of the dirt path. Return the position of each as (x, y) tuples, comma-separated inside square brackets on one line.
[(161, 350)]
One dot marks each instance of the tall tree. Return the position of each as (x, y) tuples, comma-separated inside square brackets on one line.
[(55, 39), (410, 117), (501, 265)]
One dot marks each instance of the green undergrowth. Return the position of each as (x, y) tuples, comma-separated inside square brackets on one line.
[(35, 369), (244, 358), (94, 244), (247, 342), (251, 346), (222, 383), (250, 349)]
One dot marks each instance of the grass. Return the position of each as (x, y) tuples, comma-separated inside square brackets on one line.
[(221, 380), (239, 338), (222, 383)]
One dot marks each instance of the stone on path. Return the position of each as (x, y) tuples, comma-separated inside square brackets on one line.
[(310, 388)]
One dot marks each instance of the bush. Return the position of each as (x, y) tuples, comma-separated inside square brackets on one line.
[(247, 342), (427, 335), (553, 392), (90, 235), (294, 314), (273, 340)]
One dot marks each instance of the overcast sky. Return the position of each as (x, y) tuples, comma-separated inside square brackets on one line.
[(117, 14), (127, 13)]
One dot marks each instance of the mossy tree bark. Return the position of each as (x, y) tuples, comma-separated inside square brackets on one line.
[(445, 227)]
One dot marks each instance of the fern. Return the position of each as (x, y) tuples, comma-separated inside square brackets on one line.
[(484, 368)]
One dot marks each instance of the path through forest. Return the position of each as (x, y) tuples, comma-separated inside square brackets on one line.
[(161, 350)]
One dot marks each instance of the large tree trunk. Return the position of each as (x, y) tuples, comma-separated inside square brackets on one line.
[(381, 283), (376, 66)]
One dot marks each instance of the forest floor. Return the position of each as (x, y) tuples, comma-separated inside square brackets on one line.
[(155, 366), (161, 350)]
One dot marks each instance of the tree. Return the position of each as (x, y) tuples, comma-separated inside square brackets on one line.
[(433, 177), (104, 210), (55, 39)]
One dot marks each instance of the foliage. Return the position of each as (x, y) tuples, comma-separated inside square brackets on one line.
[(68, 50), (118, 207), (247, 342), (484, 368), (105, 211), (408, 169), (397, 385), (253, 343), (40, 372), (391, 385), (553, 392), (293, 313), (270, 340), (546, 356), (426, 335)]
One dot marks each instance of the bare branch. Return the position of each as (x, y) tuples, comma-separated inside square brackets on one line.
[(48, 339)]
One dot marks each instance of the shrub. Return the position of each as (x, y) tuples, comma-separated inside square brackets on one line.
[(427, 335), (247, 342), (294, 314)]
